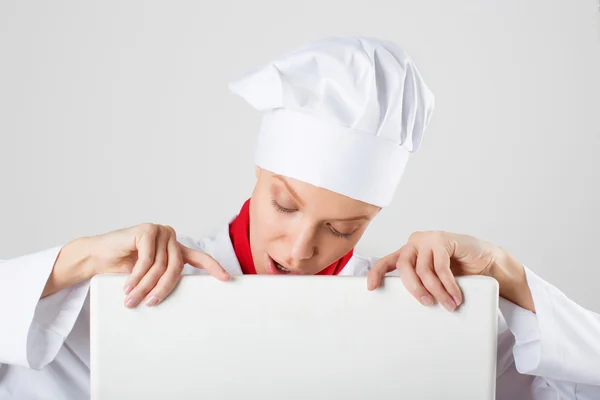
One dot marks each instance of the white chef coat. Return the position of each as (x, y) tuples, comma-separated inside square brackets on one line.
[(45, 348)]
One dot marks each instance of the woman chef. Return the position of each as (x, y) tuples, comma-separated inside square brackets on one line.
[(342, 116)]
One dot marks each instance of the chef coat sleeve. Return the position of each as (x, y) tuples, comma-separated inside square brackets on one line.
[(559, 342), (33, 330)]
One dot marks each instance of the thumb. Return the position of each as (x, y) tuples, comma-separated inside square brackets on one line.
[(381, 267), (202, 260)]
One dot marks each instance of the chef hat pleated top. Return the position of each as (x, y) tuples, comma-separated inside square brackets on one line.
[(341, 113)]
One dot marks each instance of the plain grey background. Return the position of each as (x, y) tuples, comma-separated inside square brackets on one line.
[(114, 113)]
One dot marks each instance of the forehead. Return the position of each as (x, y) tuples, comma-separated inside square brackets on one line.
[(322, 202)]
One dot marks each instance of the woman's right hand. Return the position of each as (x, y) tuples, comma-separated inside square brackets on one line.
[(152, 257)]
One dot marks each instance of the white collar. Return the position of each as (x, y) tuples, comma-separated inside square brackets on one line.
[(224, 252)]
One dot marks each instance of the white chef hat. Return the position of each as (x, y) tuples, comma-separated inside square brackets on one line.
[(342, 113)]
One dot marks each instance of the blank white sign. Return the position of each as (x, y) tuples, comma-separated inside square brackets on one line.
[(274, 337)]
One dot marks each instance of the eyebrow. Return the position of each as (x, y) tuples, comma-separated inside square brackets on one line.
[(353, 218), (299, 200), (289, 188)]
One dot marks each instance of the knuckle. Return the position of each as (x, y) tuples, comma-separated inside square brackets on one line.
[(411, 284), (176, 259), (145, 260), (438, 236), (428, 237), (134, 279), (140, 290), (159, 269), (415, 288), (146, 226), (149, 228), (160, 291), (446, 274), (160, 294), (428, 279), (209, 262), (445, 297), (422, 270), (404, 276), (176, 266), (145, 286), (153, 275), (415, 236), (441, 267), (402, 264), (168, 282)]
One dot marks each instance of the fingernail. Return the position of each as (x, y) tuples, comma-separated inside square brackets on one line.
[(450, 306), (131, 302), (152, 301), (128, 289), (456, 300), (426, 300)]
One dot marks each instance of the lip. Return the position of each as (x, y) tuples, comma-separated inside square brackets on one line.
[(273, 270)]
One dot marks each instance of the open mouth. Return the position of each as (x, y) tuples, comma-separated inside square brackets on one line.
[(281, 268), (275, 268)]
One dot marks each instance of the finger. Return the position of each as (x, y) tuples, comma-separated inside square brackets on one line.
[(430, 280), (202, 260), (167, 282), (381, 267), (158, 268), (441, 265), (406, 265), (146, 249)]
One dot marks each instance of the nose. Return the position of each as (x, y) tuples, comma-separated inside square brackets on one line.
[(303, 245)]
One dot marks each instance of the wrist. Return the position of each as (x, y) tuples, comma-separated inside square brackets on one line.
[(79, 258), (512, 279), (73, 265)]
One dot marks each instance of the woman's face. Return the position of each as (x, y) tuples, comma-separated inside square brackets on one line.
[(300, 228)]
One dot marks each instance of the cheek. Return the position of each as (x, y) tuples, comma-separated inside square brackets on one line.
[(335, 248)]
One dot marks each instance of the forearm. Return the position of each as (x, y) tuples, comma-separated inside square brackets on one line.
[(73, 265), (512, 280), (559, 341)]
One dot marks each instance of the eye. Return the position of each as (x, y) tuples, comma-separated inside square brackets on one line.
[(346, 236), (280, 208)]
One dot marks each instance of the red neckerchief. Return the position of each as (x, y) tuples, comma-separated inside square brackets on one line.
[(239, 233)]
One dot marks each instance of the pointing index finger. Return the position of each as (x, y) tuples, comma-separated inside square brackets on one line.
[(381, 267), (204, 261)]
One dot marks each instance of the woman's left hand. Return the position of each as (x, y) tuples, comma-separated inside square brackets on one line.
[(429, 261)]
